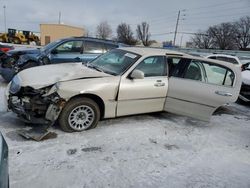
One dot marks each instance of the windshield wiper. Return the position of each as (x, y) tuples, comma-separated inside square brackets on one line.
[(94, 67)]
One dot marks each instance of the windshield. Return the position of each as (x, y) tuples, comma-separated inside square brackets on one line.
[(114, 62), (50, 45)]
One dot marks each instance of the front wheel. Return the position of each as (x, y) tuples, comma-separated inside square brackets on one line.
[(79, 114)]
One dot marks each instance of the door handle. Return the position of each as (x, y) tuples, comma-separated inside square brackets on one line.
[(224, 93), (159, 84)]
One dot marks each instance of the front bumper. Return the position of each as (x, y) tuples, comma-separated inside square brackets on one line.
[(25, 113)]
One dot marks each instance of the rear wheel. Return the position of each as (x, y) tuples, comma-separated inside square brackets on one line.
[(79, 114)]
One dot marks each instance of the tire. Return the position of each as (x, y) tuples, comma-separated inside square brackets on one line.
[(79, 114)]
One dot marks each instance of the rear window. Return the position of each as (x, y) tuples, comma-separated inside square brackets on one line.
[(93, 47), (108, 47)]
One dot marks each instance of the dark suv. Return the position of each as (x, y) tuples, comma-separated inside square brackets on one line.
[(74, 49)]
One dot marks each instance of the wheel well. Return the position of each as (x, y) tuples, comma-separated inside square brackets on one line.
[(95, 98)]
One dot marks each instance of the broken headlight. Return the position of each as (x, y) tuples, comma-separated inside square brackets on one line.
[(15, 85)]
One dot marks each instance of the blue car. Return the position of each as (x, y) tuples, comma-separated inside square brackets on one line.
[(74, 49), (4, 172)]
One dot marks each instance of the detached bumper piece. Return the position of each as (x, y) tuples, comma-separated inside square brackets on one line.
[(245, 92), (37, 134)]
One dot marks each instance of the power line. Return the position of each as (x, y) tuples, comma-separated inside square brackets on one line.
[(220, 16), (215, 5), (159, 34), (212, 11)]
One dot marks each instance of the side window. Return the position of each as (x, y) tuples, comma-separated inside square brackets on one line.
[(195, 71), (70, 47), (108, 47), (219, 75), (153, 66), (93, 47)]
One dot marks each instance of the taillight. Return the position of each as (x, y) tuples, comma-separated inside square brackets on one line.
[(5, 49)]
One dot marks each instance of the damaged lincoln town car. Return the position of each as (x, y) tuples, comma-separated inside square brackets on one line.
[(123, 82)]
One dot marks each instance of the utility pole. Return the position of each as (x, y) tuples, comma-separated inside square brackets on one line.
[(4, 13), (176, 27), (181, 40), (59, 20)]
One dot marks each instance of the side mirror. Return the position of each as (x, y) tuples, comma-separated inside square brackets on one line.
[(54, 51), (137, 74)]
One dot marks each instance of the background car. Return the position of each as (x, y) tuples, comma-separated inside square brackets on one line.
[(4, 172), (244, 63), (5, 48), (230, 58), (74, 49)]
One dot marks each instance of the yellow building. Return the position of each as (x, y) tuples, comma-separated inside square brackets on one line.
[(52, 32)]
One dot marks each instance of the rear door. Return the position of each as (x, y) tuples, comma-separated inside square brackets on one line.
[(91, 50), (197, 88)]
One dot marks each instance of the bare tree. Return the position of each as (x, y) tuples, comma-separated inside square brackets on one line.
[(143, 33), (125, 34), (223, 36), (202, 40), (242, 31), (103, 30)]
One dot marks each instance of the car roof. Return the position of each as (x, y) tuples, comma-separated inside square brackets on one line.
[(91, 39), (145, 51), (152, 51)]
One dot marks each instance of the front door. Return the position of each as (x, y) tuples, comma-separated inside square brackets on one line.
[(197, 88), (69, 51), (147, 94)]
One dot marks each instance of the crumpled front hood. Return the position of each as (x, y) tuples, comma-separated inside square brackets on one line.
[(42, 76)]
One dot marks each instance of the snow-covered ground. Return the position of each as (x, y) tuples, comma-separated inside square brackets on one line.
[(152, 150)]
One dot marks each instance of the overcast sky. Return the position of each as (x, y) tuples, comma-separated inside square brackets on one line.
[(160, 14)]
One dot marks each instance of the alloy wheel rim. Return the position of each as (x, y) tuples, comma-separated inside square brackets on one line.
[(81, 118)]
